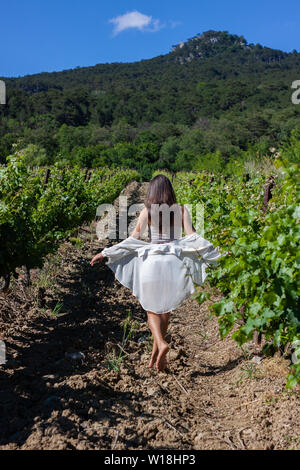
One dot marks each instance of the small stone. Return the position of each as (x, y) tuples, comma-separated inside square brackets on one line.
[(48, 377), (75, 356), (256, 359), (152, 391), (175, 354)]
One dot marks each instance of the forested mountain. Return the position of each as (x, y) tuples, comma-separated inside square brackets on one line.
[(211, 99)]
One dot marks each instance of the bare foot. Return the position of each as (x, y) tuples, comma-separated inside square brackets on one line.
[(161, 362), (153, 355)]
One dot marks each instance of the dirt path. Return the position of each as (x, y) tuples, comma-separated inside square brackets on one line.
[(214, 395)]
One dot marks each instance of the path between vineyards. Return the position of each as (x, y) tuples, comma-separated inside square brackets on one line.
[(213, 396)]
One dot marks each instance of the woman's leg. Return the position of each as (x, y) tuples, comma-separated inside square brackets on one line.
[(164, 328), (158, 324)]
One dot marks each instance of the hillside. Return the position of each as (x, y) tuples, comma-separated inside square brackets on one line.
[(215, 81), (201, 50)]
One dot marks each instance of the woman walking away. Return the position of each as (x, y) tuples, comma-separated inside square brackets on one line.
[(161, 273)]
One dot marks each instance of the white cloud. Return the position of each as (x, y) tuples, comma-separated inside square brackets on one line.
[(135, 19)]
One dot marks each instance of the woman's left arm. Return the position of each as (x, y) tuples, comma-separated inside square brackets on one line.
[(187, 222)]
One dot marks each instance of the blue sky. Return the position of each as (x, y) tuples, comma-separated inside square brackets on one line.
[(46, 36)]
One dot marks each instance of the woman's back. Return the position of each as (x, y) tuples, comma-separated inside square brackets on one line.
[(169, 231), (182, 220)]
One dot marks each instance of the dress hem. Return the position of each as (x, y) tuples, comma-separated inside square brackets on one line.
[(188, 294)]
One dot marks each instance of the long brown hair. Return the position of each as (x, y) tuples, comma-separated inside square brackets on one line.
[(160, 191)]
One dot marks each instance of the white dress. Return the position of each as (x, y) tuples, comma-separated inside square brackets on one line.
[(161, 273)]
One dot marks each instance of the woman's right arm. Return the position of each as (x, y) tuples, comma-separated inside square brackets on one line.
[(141, 224), (97, 259), (137, 233)]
